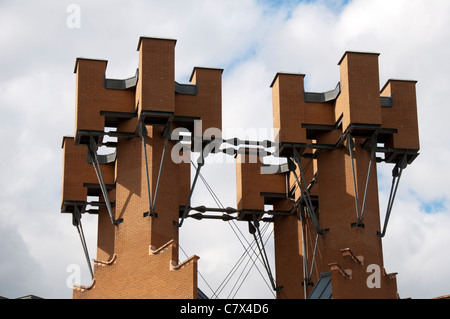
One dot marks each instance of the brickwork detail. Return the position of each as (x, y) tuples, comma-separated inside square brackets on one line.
[(324, 195), (331, 141), (138, 253)]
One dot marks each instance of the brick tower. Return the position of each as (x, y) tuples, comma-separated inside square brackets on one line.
[(324, 194), (139, 187), (325, 198)]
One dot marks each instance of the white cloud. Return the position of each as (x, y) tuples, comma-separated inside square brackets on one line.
[(251, 40), (415, 247)]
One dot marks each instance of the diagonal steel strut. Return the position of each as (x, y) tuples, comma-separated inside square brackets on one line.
[(201, 162), (142, 131), (350, 146), (372, 147), (76, 221), (166, 134), (305, 193), (92, 153), (253, 229), (396, 175)]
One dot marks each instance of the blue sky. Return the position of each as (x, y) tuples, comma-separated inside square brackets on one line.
[(434, 206), (251, 40)]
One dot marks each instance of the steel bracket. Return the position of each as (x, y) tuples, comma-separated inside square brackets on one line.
[(93, 157), (372, 146), (396, 175)]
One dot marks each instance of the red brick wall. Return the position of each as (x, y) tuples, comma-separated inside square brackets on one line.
[(139, 257)]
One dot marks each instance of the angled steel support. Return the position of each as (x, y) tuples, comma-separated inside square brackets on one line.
[(307, 277), (253, 229), (313, 259), (166, 134), (372, 148), (92, 156), (305, 193), (396, 175), (76, 221), (305, 257), (350, 146), (201, 162), (142, 132)]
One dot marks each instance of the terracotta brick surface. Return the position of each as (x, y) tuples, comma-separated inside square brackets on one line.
[(250, 183), (156, 87), (92, 97), (139, 257), (359, 100), (77, 171), (207, 103), (402, 115), (288, 107), (359, 105)]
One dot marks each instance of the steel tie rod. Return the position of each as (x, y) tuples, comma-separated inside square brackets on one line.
[(396, 175), (98, 171), (142, 130), (307, 198), (76, 221), (372, 155), (305, 257), (200, 162), (166, 134), (253, 228), (350, 145), (366, 188)]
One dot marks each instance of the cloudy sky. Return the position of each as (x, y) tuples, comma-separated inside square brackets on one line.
[(251, 40)]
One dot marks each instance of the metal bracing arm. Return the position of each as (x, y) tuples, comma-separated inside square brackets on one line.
[(200, 162), (92, 154), (142, 131), (166, 134), (307, 277), (350, 146), (76, 221), (305, 257), (313, 258), (305, 193), (253, 229), (396, 174), (372, 147)]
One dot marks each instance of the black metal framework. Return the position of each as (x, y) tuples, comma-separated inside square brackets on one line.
[(253, 228), (396, 175), (200, 163), (305, 193), (142, 132), (372, 148), (304, 206), (93, 157), (76, 221)]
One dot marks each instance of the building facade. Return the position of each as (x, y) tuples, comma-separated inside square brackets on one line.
[(328, 234)]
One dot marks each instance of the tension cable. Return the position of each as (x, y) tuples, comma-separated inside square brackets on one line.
[(253, 229)]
